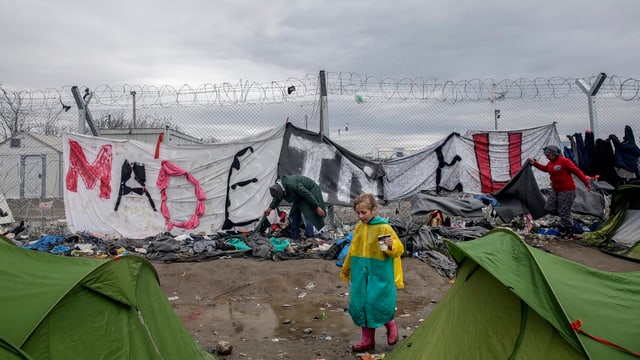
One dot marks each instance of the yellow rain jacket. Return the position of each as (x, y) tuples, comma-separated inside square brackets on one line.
[(374, 274)]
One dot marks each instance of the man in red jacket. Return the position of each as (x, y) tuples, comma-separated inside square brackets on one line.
[(560, 200)]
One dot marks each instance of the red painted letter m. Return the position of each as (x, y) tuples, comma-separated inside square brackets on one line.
[(100, 169)]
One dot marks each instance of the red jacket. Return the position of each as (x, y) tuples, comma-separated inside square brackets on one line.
[(560, 170)]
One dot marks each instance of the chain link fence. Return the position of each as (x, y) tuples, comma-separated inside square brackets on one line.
[(376, 117), (366, 114)]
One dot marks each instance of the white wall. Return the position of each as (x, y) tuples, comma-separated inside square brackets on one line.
[(32, 153)]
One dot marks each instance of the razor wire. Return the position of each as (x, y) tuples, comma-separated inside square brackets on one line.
[(338, 83), (373, 116), (299, 98)]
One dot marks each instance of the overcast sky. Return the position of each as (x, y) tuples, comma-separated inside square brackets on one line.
[(50, 44)]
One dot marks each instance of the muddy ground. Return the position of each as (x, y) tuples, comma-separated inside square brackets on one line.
[(295, 309)]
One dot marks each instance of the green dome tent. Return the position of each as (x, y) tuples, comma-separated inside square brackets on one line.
[(64, 308), (620, 233), (512, 301)]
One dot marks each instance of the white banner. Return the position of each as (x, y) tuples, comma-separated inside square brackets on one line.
[(6, 217), (194, 188), (479, 162)]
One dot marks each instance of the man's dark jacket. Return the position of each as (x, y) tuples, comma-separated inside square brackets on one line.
[(303, 193)]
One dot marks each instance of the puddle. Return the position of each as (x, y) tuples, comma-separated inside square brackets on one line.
[(324, 319), (245, 319), (275, 319)]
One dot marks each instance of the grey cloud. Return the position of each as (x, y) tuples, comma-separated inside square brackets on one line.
[(121, 42)]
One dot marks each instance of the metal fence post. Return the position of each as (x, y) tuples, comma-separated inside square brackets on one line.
[(591, 91), (83, 109), (323, 104)]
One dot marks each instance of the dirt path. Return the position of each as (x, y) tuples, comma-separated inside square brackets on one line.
[(294, 309)]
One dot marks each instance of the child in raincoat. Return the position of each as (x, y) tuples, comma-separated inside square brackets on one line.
[(374, 273)]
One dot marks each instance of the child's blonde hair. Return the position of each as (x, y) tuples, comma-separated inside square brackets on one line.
[(365, 198)]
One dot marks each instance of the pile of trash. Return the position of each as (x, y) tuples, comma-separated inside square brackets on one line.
[(424, 241)]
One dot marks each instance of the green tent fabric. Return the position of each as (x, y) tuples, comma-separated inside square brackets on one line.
[(620, 233), (512, 301), (10, 352), (56, 307)]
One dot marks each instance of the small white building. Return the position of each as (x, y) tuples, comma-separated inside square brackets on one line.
[(31, 166)]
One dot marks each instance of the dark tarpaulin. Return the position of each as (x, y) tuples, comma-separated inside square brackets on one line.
[(521, 195), (328, 172), (590, 202), (422, 204)]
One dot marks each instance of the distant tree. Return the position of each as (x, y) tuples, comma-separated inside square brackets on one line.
[(13, 112), (113, 121), (48, 123), (16, 114), (118, 120)]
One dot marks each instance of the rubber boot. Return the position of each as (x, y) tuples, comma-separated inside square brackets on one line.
[(368, 341), (392, 332)]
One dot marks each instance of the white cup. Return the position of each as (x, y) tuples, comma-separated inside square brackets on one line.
[(383, 246), (381, 240)]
